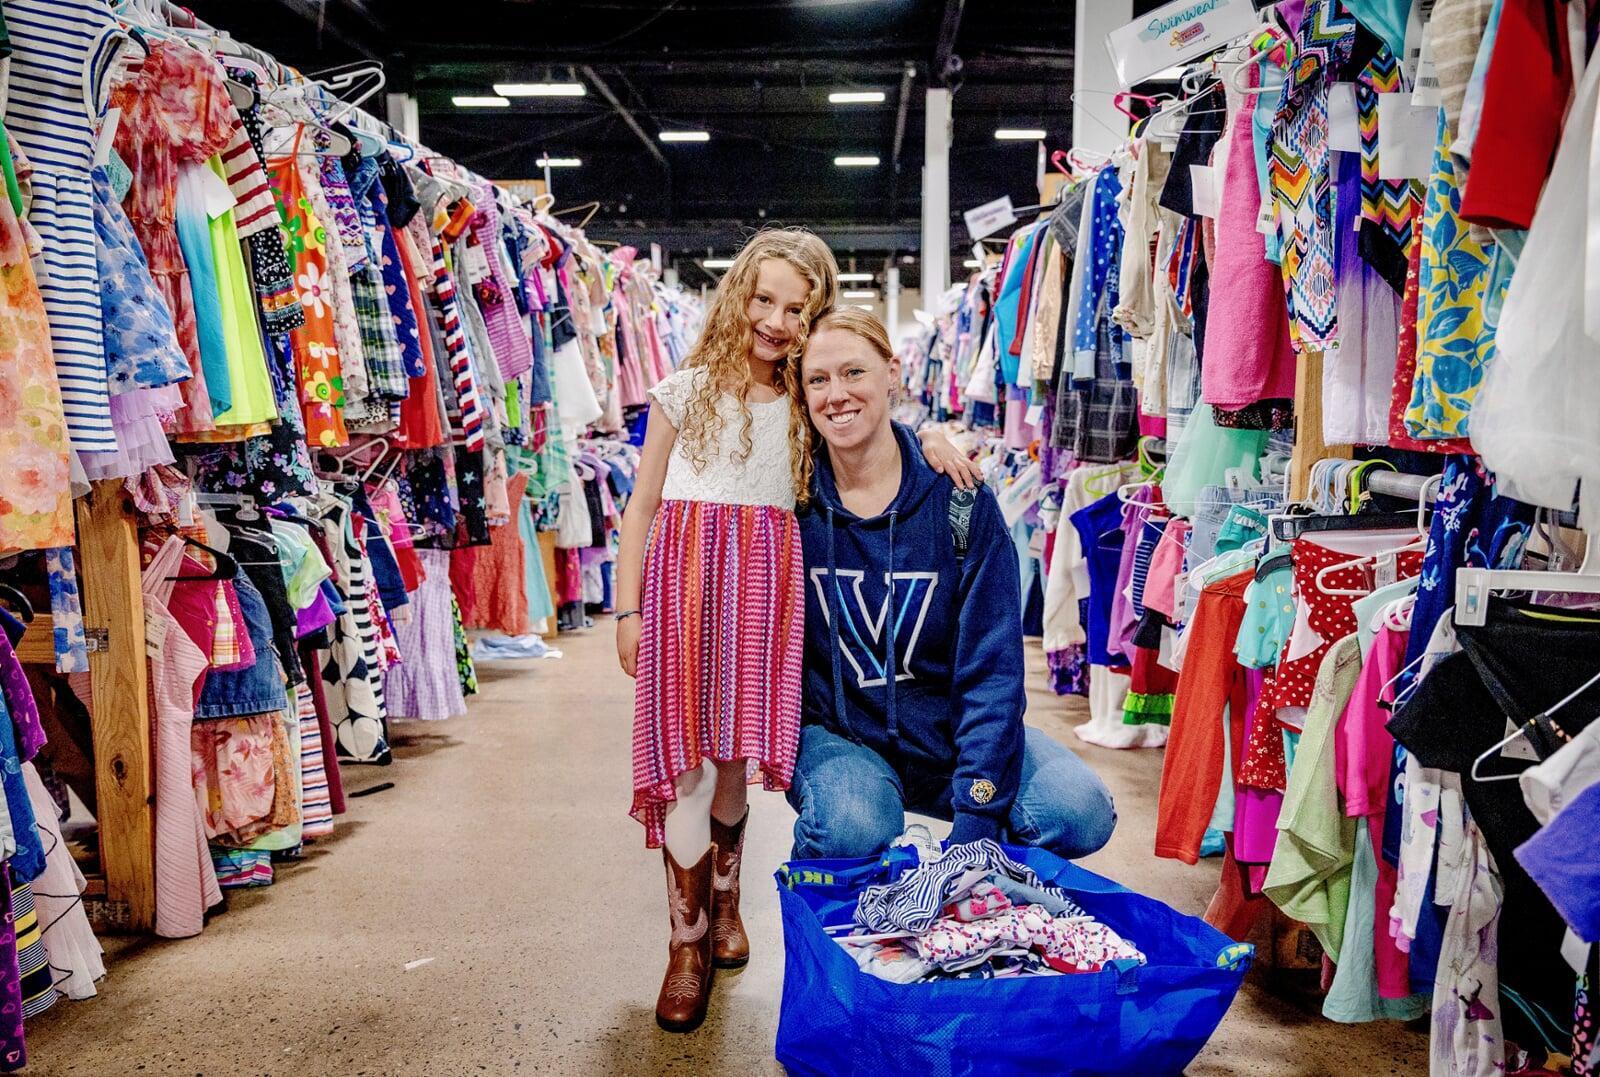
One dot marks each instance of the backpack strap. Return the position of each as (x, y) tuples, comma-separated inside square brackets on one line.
[(961, 504)]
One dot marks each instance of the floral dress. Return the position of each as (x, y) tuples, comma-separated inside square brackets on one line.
[(175, 110), (35, 495), (315, 343)]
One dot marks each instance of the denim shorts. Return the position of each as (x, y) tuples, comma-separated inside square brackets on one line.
[(257, 690)]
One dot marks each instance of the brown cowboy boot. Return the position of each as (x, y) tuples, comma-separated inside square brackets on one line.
[(686, 988), (730, 946)]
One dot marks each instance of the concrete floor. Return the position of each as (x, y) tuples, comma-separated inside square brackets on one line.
[(504, 854)]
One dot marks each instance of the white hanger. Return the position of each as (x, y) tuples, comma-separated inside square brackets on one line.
[(1522, 730), (1475, 585)]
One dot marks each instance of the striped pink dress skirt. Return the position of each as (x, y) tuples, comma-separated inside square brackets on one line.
[(720, 654)]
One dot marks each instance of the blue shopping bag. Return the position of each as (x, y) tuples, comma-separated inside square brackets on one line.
[(1131, 1019)]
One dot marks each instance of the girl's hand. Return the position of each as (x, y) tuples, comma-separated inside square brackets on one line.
[(946, 459), (628, 630)]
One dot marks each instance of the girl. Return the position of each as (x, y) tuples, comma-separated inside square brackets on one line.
[(709, 540)]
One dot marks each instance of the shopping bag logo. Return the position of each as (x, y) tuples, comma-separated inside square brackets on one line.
[(861, 635)]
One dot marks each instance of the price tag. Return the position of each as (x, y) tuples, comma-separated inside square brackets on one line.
[(1207, 198), (1518, 747), (155, 633), (1385, 572), (1406, 136), (1344, 125), (1034, 414), (477, 264), (1267, 219)]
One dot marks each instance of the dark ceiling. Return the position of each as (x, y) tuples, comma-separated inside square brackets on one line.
[(754, 73)]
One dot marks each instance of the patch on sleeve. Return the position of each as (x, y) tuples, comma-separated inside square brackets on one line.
[(982, 791)]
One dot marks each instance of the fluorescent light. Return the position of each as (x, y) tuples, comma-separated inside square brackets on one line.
[(1020, 134), (856, 97), (861, 294), (540, 89), (849, 278), (685, 136), (972, 263), (559, 162), (717, 263), (468, 101), (856, 162), (863, 306)]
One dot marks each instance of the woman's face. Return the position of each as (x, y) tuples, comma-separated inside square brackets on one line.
[(775, 308), (847, 386)]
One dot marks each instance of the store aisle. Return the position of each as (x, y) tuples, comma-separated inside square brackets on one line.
[(504, 858)]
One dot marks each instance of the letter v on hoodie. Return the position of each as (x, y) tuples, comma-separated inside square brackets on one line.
[(932, 681)]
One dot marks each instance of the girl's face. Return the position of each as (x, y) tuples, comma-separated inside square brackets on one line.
[(775, 308), (847, 386)]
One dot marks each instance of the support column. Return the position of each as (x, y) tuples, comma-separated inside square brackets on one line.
[(403, 117), (1096, 124), (891, 303), (936, 193)]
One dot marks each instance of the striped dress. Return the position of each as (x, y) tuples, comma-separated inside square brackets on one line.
[(63, 55), (723, 609)]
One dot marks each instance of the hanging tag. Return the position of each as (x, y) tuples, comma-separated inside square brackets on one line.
[(1520, 747), (217, 196), (1344, 125), (1034, 414), (1406, 136), (108, 133), (1234, 479), (1385, 572), (477, 264), (1207, 198), (155, 633), (1426, 91), (1267, 219)]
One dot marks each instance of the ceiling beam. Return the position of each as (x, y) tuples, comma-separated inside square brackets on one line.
[(316, 14), (627, 116), (902, 108), (724, 234), (946, 64)]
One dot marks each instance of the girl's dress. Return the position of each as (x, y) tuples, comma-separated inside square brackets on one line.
[(723, 606)]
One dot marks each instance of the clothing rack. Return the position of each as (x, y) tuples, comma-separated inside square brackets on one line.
[(123, 896)]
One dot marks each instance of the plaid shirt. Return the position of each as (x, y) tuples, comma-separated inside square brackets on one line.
[(1095, 419)]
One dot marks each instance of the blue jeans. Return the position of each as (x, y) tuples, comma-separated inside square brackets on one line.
[(853, 803)]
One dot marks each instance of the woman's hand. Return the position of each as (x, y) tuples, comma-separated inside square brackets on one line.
[(628, 630), (946, 459)]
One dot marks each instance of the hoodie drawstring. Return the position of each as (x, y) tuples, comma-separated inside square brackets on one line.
[(891, 665), (833, 636)]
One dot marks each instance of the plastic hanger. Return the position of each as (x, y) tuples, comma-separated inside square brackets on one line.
[(227, 568), (1542, 718), (18, 602), (1475, 585)]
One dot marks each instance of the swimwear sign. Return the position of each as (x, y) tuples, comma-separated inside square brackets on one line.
[(1176, 33)]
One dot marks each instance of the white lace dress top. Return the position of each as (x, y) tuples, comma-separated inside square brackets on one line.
[(762, 479)]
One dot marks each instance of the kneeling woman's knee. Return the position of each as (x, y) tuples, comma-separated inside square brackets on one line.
[(847, 827)]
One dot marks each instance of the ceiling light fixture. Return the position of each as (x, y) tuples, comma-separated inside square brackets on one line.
[(717, 263), (857, 97), (856, 162), (860, 294), (540, 89), (972, 263), (559, 162), (685, 136), (1019, 134), (469, 101), (862, 306), (853, 278)]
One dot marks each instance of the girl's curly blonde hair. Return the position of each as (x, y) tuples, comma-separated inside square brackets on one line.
[(726, 341)]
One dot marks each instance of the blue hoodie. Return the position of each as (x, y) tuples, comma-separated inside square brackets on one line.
[(952, 725)]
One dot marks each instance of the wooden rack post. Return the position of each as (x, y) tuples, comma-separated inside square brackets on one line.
[(1308, 444), (113, 617)]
